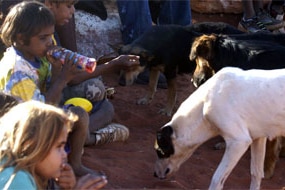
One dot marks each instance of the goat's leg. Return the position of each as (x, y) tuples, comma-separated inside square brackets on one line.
[(234, 151), (271, 156), (257, 161), (282, 151)]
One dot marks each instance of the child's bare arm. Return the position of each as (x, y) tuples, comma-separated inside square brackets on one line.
[(123, 62)]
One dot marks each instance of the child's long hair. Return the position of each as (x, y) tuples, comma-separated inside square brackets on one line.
[(28, 19), (28, 132)]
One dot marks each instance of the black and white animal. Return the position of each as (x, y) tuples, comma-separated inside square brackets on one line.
[(252, 51), (166, 49), (244, 107)]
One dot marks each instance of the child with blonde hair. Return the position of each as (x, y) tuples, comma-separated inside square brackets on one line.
[(32, 148), (32, 145)]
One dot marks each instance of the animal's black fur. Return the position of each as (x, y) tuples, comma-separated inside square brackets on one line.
[(169, 45), (215, 27), (271, 37), (158, 47), (241, 51), (164, 144), (166, 49)]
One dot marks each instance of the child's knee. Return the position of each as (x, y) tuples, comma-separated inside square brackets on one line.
[(109, 105), (95, 90), (108, 108)]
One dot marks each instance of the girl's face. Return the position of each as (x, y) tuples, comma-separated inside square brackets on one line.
[(39, 44), (51, 166), (62, 12)]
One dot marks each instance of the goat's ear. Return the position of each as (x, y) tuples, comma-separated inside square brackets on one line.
[(164, 133), (167, 131), (163, 144)]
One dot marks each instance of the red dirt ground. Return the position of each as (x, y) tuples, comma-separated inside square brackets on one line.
[(129, 165)]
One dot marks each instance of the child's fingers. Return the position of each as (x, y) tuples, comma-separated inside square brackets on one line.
[(67, 178)]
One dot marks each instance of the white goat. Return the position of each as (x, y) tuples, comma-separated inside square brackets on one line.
[(244, 107)]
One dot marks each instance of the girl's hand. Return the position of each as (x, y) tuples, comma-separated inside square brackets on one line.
[(67, 178)]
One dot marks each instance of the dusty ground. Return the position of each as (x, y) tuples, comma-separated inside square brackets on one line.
[(129, 165)]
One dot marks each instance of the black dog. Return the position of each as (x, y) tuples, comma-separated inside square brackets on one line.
[(166, 49), (213, 52)]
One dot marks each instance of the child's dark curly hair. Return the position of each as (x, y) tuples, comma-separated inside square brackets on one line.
[(27, 18), (6, 103)]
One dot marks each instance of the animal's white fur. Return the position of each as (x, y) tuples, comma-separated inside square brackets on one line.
[(244, 107)]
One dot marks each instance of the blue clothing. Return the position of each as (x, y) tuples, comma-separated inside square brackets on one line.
[(21, 180), (136, 16), (175, 12)]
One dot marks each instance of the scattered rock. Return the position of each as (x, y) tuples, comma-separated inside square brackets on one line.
[(93, 34)]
